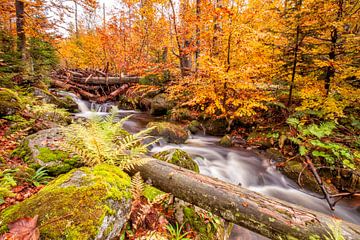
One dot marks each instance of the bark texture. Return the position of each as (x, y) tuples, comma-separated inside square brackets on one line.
[(265, 215)]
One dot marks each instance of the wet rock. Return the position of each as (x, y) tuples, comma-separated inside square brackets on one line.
[(195, 127), (10, 103), (292, 169), (169, 131), (42, 149), (215, 127), (226, 141), (86, 203), (275, 155), (179, 158), (160, 105)]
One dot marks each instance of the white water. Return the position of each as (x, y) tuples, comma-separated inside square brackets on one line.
[(237, 166)]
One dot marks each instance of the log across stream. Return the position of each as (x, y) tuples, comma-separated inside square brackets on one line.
[(243, 168)]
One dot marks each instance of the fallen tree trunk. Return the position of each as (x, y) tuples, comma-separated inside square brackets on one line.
[(270, 217), (113, 94), (106, 81)]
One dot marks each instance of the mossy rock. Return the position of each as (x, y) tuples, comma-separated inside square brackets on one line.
[(179, 158), (63, 101), (169, 131), (215, 127), (86, 203), (161, 104), (292, 169), (195, 127), (10, 103), (226, 141), (43, 150)]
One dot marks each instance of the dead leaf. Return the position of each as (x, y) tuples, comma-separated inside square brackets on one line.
[(23, 229)]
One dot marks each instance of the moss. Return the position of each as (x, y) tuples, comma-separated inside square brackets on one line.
[(151, 192), (48, 155), (75, 204), (206, 230), (23, 151), (195, 126), (179, 158), (65, 160), (226, 141), (10, 103)]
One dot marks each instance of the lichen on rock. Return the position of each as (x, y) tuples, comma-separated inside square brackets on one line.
[(86, 203), (179, 158)]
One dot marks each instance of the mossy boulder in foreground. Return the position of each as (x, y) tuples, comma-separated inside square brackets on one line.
[(86, 203), (43, 150), (179, 158), (169, 131), (9, 102)]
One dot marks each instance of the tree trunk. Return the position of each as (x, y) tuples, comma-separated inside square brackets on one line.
[(265, 215), (20, 25)]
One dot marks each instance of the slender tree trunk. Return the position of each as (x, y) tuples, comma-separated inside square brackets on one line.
[(215, 48), (76, 19), (296, 50), (330, 70), (197, 52), (20, 25), (293, 73)]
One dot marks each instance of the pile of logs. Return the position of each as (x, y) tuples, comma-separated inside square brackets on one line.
[(94, 85)]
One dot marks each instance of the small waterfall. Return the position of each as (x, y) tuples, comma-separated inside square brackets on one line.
[(88, 109)]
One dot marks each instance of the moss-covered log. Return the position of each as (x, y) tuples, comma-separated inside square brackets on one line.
[(265, 215)]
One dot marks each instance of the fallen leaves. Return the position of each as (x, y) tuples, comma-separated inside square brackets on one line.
[(23, 229)]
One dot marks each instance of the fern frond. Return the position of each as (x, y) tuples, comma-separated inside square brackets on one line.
[(137, 186)]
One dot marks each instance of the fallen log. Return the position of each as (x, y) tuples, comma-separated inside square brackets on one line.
[(268, 216), (113, 94), (108, 80), (67, 87)]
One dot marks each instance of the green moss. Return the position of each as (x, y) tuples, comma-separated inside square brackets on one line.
[(77, 209), (48, 155), (206, 230), (23, 151), (179, 158), (151, 192), (10, 103)]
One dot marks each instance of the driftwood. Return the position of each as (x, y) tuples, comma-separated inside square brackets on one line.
[(268, 216)]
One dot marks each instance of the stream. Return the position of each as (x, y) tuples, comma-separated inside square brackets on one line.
[(234, 165)]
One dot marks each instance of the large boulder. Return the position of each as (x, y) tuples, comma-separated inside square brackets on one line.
[(86, 203), (169, 131), (161, 104), (9, 102), (195, 127), (60, 101), (42, 149), (179, 158), (215, 127)]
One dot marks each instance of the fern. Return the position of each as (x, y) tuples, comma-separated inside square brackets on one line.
[(137, 186), (325, 129), (104, 140)]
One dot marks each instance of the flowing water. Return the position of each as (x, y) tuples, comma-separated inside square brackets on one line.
[(233, 165)]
